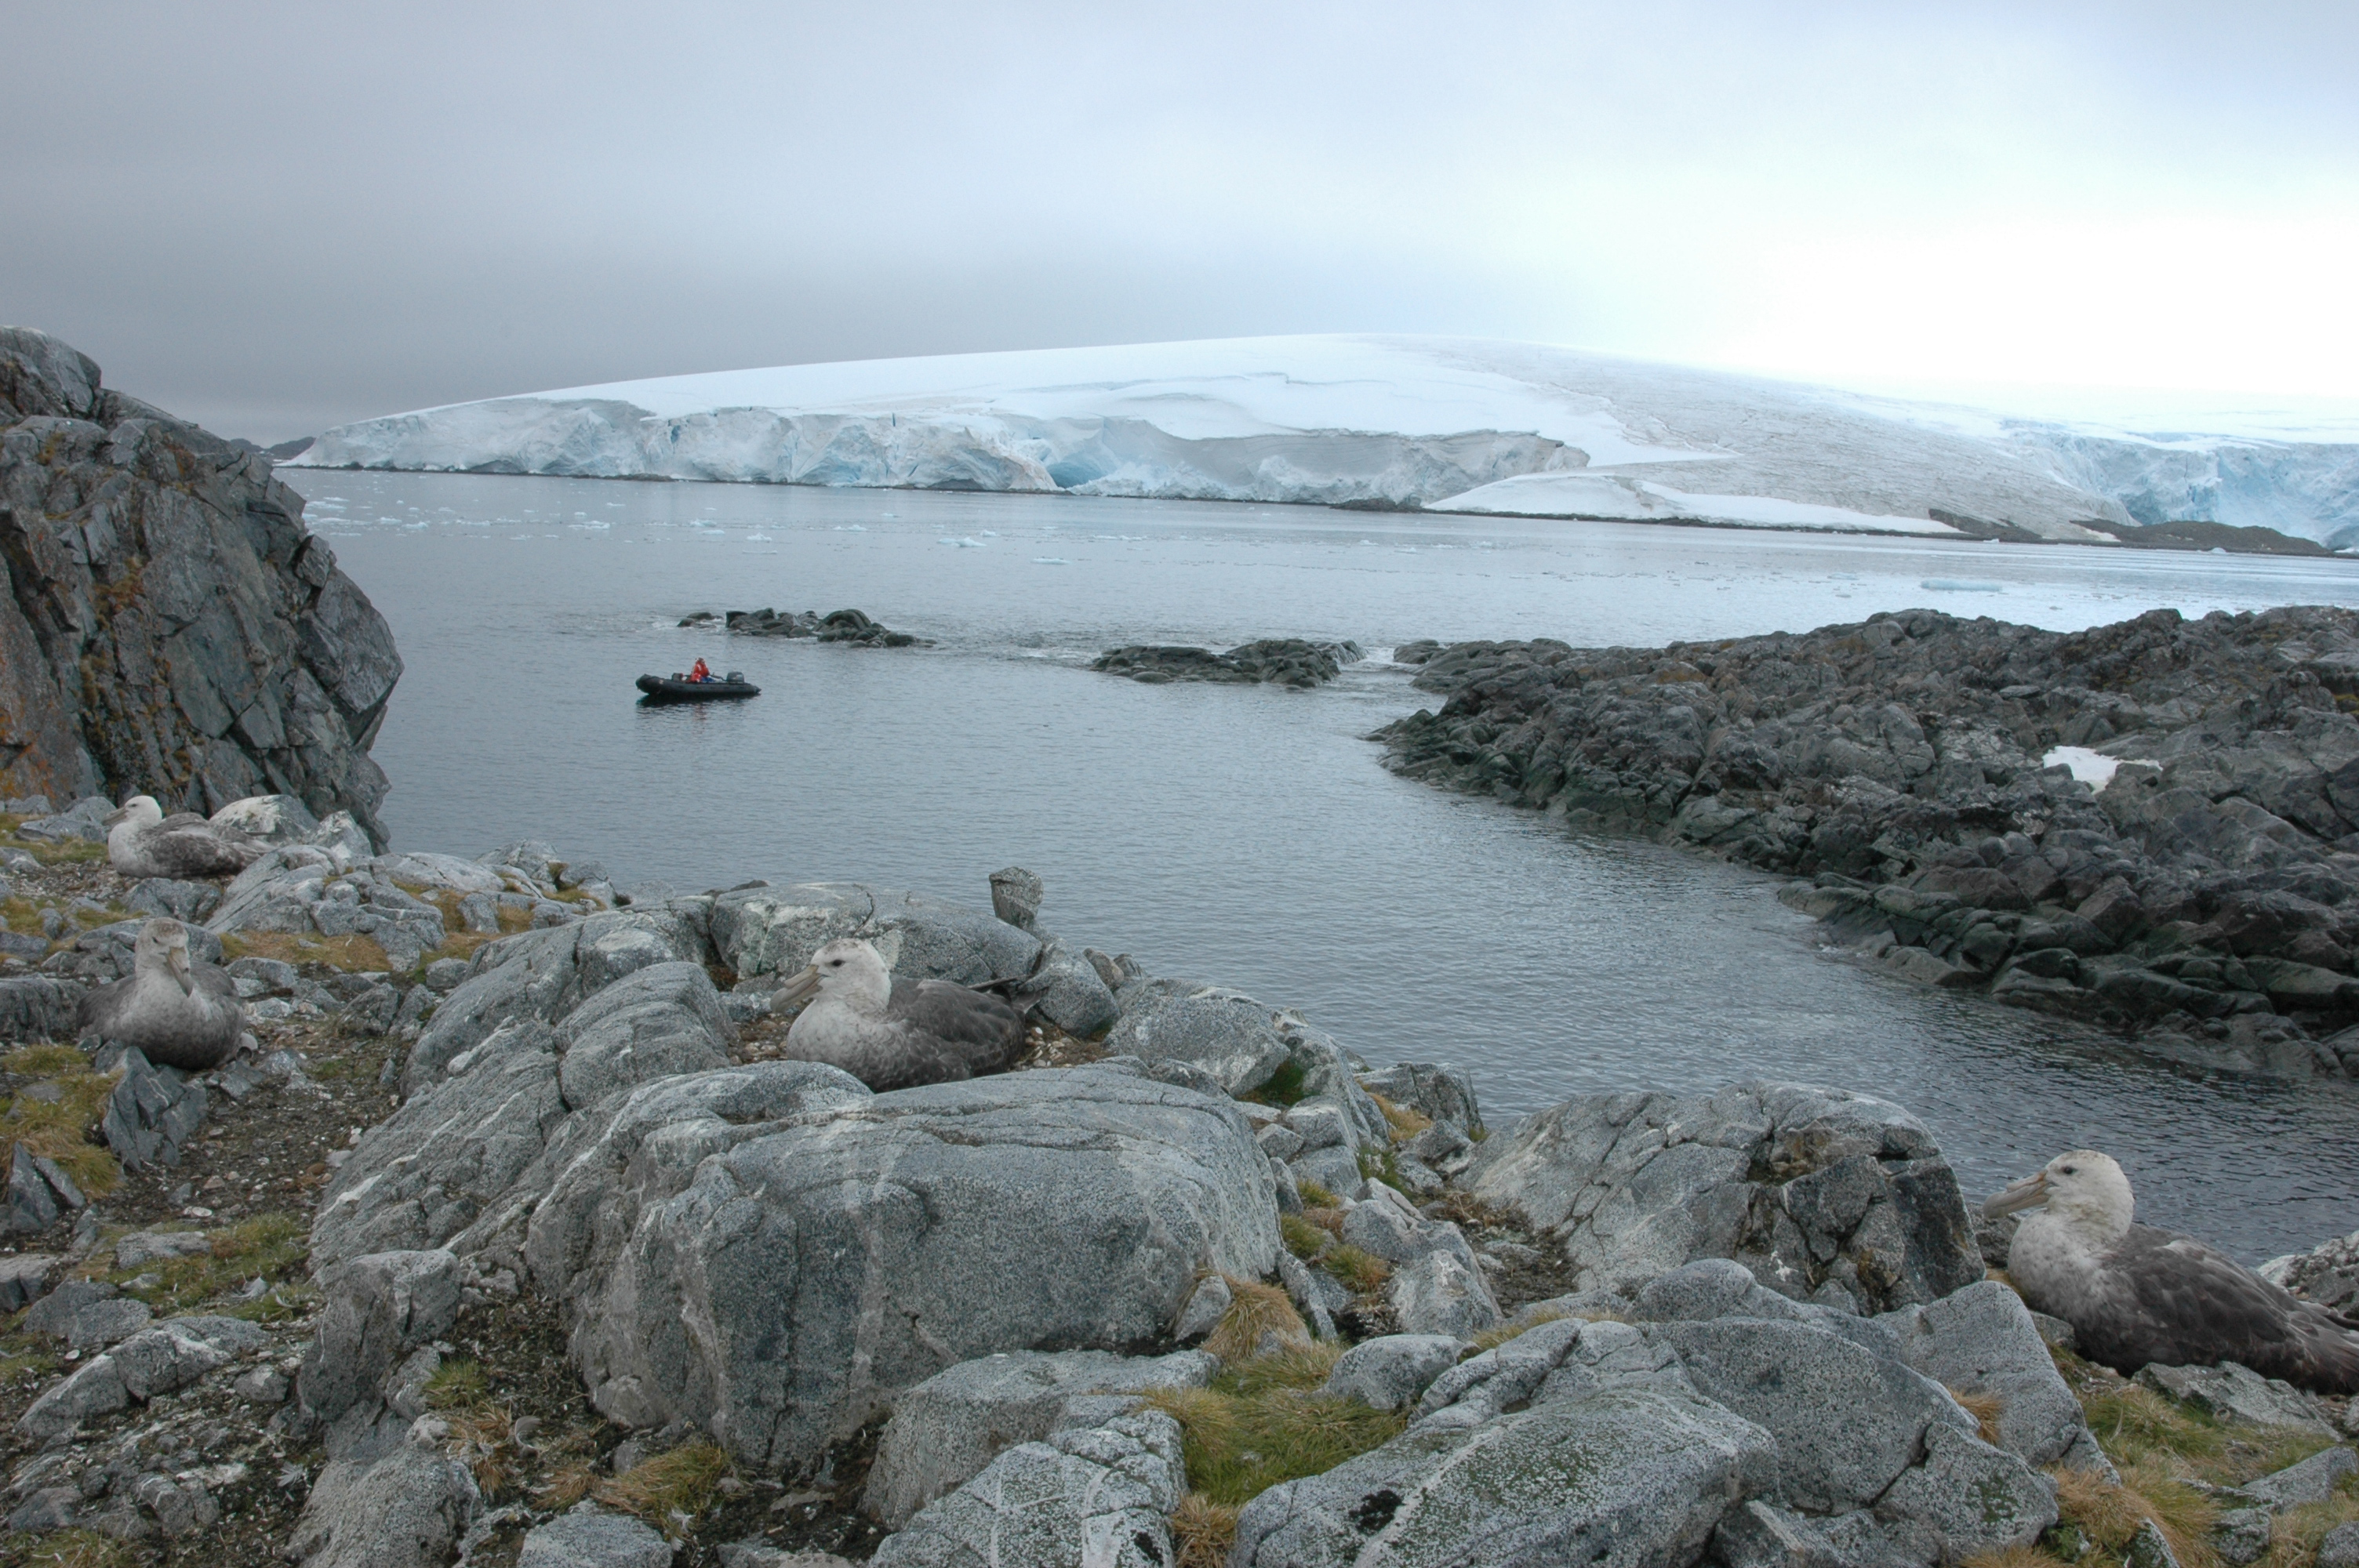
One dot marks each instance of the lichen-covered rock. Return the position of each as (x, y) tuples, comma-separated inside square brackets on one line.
[(767, 930), (656, 1023), (173, 629), (1225, 1032), (544, 974), (1627, 1477), (1981, 1340), (947, 1429), (1087, 1497), (587, 1538), (375, 1310), (420, 1177), (1806, 1187), (399, 1503), (804, 1277)]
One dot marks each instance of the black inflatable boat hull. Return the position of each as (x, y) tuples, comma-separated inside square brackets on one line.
[(658, 689)]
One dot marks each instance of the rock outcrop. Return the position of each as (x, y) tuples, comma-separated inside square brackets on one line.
[(170, 628), (2204, 887), (1274, 661)]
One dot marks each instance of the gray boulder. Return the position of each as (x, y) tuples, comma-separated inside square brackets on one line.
[(2340, 1549), (1627, 1477), (163, 1359), (575, 1207), (399, 1504), (1440, 1292), (544, 974), (36, 1007), (804, 1278), (947, 1429), (2233, 1393), (1803, 1186), (375, 1311), (420, 1177), (24, 1278), (151, 1111), (1393, 1369), (766, 930), (1432, 1089), (1847, 1422), (1981, 1340), (2313, 1480), (187, 901), (587, 1538), (655, 1023), (1226, 1032), (1067, 992), (1711, 1288), (1972, 1498), (1087, 1497)]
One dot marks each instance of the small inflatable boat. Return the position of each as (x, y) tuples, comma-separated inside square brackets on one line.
[(680, 688)]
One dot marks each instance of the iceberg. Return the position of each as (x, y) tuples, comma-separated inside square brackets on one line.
[(1383, 422)]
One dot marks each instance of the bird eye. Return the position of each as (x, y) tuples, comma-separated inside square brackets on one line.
[(2072, 1169)]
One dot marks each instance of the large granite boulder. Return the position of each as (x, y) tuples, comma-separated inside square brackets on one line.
[(173, 628), (423, 1174), (1816, 1191), (766, 930), (545, 974), (657, 1023), (804, 1278)]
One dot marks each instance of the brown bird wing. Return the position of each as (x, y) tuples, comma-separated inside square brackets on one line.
[(954, 1033), (2178, 1302)]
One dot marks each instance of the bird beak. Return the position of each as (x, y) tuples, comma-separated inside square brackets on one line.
[(796, 990), (115, 818), (178, 957), (2028, 1193)]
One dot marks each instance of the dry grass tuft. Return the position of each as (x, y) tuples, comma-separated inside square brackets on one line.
[(60, 1129), (1203, 1530), (78, 1549), (2017, 1557), (353, 954), (1302, 1238), (2133, 1420), (272, 1247), (2294, 1542), (484, 1438), (1492, 1338), (1363, 1270), (1254, 1311), (1314, 1196), (1985, 1408), (670, 1488), (457, 1384), (1261, 1423), (2109, 1515), (1406, 1123)]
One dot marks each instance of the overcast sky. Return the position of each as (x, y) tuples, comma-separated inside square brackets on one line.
[(275, 218)]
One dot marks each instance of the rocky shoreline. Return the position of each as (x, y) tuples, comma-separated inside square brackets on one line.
[(567, 1265), (1293, 662), (2199, 887)]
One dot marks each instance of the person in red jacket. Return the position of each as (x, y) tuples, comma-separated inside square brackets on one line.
[(699, 673)]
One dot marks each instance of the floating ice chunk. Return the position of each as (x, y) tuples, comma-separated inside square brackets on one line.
[(757, 538), (1050, 561), (2092, 768), (963, 544), (1961, 585)]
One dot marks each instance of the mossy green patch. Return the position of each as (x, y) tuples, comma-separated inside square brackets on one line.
[(1261, 1423), (57, 1116), (269, 1246)]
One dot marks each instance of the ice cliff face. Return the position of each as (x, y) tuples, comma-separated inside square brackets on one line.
[(166, 625), (1469, 425)]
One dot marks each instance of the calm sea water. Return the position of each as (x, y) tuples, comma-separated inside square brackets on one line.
[(1248, 836)]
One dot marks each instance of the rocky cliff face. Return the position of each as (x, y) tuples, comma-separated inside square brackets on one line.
[(168, 625)]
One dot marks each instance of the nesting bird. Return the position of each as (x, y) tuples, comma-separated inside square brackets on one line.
[(2134, 1293), (893, 1033), (141, 842), (178, 1011)]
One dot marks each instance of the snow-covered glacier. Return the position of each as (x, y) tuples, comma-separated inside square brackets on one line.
[(1447, 424)]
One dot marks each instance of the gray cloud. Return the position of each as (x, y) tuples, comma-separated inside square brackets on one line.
[(277, 217)]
